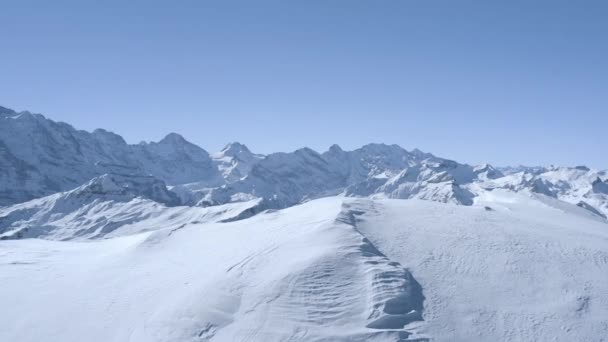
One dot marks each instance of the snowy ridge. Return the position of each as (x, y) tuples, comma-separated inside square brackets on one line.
[(530, 268), (300, 274)]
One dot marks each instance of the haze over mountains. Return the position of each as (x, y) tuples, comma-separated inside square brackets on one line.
[(168, 242)]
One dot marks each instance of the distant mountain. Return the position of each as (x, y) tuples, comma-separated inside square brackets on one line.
[(39, 157), (235, 161), (375, 169), (578, 185), (110, 205)]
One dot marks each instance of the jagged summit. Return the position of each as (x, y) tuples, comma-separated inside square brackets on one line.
[(235, 161), (235, 148)]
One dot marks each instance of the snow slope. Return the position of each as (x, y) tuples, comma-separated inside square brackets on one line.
[(511, 267), (527, 268), (300, 274)]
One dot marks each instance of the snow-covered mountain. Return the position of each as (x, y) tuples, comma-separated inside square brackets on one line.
[(235, 161), (39, 157), (110, 205), (106, 241), (579, 185), (374, 169)]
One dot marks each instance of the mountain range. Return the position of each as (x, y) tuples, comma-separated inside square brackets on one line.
[(163, 241), (41, 158)]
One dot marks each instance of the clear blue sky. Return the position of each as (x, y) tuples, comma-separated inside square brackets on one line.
[(507, 82)]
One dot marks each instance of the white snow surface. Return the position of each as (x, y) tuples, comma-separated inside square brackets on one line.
[(510, 267), (303, 273)]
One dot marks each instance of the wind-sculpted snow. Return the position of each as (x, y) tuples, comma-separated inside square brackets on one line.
[(300, 274), (510, 268)]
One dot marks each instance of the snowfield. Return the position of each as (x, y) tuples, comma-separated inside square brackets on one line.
[(303, 273), (511, 267)]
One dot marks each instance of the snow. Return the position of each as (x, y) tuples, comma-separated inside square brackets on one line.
[(303, 273), (60, 158), (512, 266), (235, 161), (111, 205), (526, 270), (374, 244)]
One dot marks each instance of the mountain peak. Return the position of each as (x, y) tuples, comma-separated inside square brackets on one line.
[(7, 111), (335, 148), (173, 138), (235, 148)]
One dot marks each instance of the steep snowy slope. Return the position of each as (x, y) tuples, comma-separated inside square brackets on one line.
[(110, 205), (39, 157), (301, 274)]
